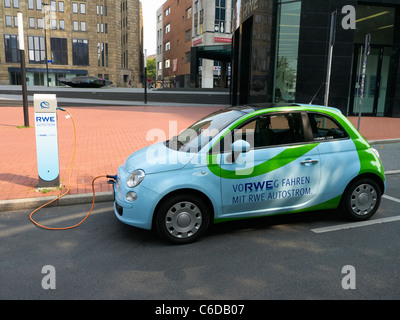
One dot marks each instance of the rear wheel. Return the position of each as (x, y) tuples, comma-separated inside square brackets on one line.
[(182, 219), (361, 199)]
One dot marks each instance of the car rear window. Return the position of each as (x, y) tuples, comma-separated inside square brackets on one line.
[(325, 128)]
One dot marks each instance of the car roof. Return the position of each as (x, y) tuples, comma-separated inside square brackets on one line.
[(260, 106)]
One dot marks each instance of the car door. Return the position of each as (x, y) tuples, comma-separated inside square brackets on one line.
[(338, 155), (279, 173)]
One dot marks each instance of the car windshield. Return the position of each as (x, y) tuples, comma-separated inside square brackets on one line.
[(194, 138)]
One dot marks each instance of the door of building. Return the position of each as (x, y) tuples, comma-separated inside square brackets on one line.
[(376, 78)]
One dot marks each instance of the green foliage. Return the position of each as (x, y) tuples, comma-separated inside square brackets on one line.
[(151, 69)]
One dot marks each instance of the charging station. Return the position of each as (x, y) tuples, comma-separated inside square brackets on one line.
[(45, 108)]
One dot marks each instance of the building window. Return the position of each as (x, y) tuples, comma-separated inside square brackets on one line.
[(11, 48), (168, 11), (59, 50), (62, 25), (16, 3), (39, 23), (74, 7), (287, 45), (54, 24), (8, 21), (83, 26), (36, 49), (167, 28), (102, 54), (7, 3), (83, 8), (196, 19), (167, 46), (167, 63), (39, 5), (188, 13), (75, 25), (60, 6), (220, 15), (31, 22), (188, 35), (31, 4), (53, 5), (80, 52)]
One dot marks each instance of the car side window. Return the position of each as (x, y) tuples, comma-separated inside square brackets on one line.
[(325, 128), (272, 130)]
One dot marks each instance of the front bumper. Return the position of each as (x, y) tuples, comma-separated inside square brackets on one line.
[(138, 213)]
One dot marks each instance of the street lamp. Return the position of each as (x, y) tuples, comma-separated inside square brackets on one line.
[(145, 76), (45, 40)]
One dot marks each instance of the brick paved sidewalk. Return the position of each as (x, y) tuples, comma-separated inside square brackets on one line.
[(106, 136)]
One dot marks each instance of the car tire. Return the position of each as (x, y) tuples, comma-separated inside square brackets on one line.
[(361, 199), (182, 219)]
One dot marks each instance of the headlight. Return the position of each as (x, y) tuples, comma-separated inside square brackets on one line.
[(131, 196), (135, 178)]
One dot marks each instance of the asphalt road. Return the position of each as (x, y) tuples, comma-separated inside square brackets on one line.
[(12, 96), (282, 257)]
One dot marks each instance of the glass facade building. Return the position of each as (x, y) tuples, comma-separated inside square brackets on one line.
[(281, 54)]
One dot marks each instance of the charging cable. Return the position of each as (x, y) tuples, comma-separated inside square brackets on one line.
[(69, 186)]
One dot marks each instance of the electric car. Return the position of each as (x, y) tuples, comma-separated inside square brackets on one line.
[(249, 161)]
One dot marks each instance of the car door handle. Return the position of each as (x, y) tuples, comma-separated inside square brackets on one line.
[(309, 162)]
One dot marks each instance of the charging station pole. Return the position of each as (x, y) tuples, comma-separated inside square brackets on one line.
[(45, 107)]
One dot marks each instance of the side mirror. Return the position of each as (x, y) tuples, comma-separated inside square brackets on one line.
[(238, 147)]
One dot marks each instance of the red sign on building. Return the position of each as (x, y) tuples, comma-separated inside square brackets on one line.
[(175, 65), (198, 41), (224, 40)]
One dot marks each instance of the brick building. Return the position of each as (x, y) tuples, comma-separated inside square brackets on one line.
[(174, 40), (92, 37), (193, 42)]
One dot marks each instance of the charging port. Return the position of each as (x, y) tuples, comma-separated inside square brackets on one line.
[(113, 179)]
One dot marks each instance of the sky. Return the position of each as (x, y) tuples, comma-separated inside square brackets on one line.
[(149, 8)]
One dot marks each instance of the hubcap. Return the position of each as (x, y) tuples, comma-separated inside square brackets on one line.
[(183, 219), (363, 199)]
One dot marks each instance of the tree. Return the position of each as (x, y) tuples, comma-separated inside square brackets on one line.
[(151, 69)]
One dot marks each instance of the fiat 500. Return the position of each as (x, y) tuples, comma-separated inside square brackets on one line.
[(249, 161)]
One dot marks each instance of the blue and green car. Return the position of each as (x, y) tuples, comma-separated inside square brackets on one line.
[(249, 161)]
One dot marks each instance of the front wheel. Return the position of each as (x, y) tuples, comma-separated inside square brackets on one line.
[(361, 199), (182, 219)]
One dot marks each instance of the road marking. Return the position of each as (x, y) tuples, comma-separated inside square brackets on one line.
[(355, 224), (391, 198), (361, 223)]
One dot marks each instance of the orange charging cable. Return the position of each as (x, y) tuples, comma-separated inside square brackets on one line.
[(69, 187)]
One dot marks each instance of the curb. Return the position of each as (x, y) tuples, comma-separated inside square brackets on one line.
[(391, 172), (384, 141), (33, 203)]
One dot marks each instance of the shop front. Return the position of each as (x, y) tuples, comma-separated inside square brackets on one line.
[(281, 54)]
